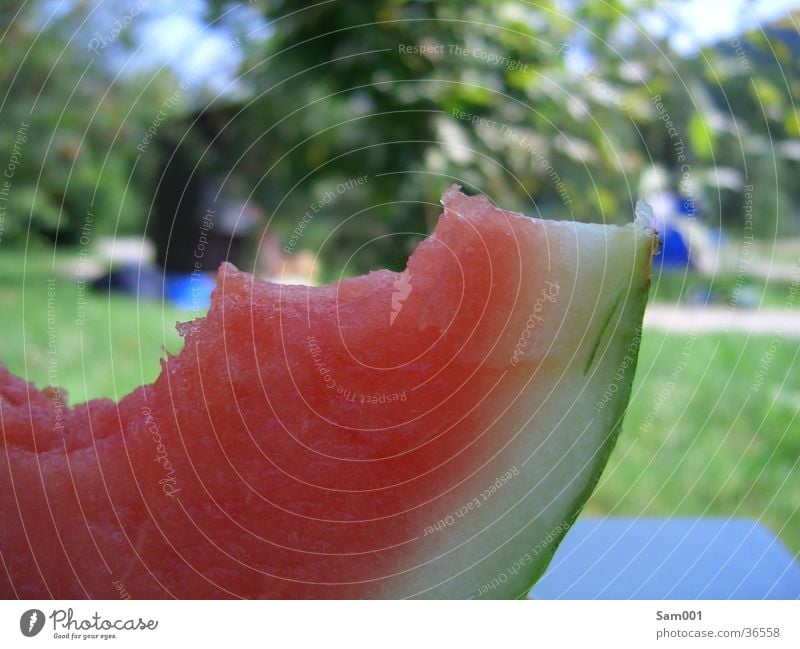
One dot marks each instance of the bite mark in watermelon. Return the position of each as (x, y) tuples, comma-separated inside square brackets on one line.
[(344, 441)]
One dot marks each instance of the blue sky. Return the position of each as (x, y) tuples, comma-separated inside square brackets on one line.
[(701, 22)]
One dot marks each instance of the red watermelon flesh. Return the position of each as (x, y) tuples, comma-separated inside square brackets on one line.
[(431, 433)]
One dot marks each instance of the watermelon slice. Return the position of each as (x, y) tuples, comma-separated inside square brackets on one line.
[(431, 433)]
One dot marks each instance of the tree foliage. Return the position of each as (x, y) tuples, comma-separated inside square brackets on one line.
[(554, 108), (71, 124), (418, 95)]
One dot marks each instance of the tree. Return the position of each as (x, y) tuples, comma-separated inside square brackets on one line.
[(72, 124), (416, 95)]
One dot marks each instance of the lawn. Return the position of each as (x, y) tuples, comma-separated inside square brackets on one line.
[(710, 431), (712, 428), (115, 349), (675, 286)]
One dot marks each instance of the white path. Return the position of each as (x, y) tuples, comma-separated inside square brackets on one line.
[(757, 322)]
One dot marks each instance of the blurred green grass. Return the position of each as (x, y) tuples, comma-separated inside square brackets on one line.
[(717, 444), (117, 348), (677, 287)]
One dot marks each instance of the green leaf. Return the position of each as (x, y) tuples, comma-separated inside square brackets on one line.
[(701, 136)]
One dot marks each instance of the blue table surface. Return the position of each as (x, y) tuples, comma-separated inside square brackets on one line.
[(702, 558)]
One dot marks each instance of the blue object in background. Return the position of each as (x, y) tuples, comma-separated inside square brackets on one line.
[(704, 558), (674, 252), (189, 291), (132, 279)]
